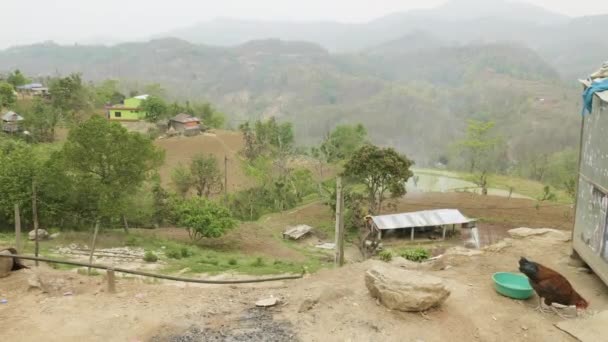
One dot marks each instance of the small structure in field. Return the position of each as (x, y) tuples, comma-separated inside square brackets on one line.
[(295, 233), (421, 220), (33, 89), (11, 122), (590, 234), (186, 124)]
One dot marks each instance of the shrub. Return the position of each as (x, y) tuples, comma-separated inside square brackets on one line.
[(174, 254), (386, 255), (416, 254), (186, 253), (150, 257), (233, 262), (259, 262), (202, 218), (131, 241)]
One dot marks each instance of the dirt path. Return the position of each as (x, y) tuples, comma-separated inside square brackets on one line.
[(345, 312)]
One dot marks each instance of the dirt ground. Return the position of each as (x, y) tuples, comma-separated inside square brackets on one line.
[(78, 308)]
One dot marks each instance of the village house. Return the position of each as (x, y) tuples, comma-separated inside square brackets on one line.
[(128, 110), (33, 89), (10, 122), (185, 124), (590, 235)]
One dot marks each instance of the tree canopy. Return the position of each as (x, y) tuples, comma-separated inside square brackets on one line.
[(381, 170), (7, 95), (202, 218), (16, 78), (155, 107), (343, 141), (109, 159)]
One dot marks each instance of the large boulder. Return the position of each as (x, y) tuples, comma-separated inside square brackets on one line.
[(42, 235), (545, 233), (405, 290)]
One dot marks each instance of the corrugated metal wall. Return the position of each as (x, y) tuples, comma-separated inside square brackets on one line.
[(590, 238)]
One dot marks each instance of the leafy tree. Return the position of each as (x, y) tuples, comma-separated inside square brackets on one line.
[(381, 170), (202, 218), (105, 157), (205, 175), (18, 169), (69, 98), (209, 115), (182, 179), (155, 89), (7, 95), (155, 108), (39, 120), (107, 93), (343, 141), (16, 78), (478, 144)]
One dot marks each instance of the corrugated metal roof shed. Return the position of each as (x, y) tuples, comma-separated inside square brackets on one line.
[(426, 218)]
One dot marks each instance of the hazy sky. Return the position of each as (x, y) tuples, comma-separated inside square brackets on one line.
[(66, 21)]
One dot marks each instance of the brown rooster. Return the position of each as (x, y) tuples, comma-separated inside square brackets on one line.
[(551, 286)]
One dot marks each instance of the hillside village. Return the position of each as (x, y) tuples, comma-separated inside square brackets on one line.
[(386, 188)]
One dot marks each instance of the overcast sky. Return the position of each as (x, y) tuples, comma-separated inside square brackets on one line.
[(66, 21)]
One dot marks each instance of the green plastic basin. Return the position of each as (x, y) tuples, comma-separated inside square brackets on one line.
[(512, 285)]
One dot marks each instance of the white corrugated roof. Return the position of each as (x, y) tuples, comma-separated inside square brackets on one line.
[(426, 218)]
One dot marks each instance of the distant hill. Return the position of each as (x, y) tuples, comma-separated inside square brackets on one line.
[(557, 38), (410, 95)]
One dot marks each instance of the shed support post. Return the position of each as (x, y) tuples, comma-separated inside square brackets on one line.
[(444, 228), (412, 237)]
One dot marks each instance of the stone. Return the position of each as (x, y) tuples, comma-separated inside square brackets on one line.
[(405, 290), (52, 236), (42, 235), (545, 233), (267, 302)]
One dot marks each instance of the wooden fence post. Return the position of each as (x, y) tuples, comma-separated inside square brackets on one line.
[(339, 223), (35, 219), (17, 228), (93, 245), (111, 281)]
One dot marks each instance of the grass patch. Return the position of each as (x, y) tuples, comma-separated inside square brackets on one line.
[(417, 254)]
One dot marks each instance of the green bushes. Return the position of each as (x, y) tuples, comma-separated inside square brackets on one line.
[(150, 257), (386, 255), (416, 254)]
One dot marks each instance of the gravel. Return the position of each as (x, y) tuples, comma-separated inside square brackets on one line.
[(256, 324)]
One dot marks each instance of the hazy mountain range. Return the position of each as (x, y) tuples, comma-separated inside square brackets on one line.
[(401, 75)]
